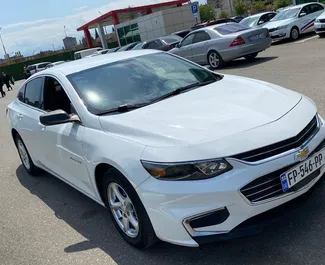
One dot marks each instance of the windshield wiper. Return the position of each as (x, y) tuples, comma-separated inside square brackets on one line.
[(182, 89), (123, 108)]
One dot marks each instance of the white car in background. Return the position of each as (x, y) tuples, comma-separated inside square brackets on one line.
[(258, 20), (38, 67), (173, 150), (320, 25), (293, 21)]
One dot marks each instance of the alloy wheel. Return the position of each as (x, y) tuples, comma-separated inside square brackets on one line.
[(123, 210), (23, 154), (294, 34), (214, 60)]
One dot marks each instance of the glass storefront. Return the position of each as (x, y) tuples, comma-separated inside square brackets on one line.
[(129, 34)]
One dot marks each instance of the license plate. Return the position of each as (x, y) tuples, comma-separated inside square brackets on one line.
[(298, 173), (256, 37)]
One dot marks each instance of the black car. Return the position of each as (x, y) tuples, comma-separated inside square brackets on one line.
[(165, 43), (182, 33)]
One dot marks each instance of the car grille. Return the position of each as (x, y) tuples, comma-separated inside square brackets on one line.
[(271, 30), (322, 20), (280, 147), (269, 186)]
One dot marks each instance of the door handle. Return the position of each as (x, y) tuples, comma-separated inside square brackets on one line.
[(20, 116)]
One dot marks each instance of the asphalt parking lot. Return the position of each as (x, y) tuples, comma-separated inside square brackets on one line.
[(44, 221)]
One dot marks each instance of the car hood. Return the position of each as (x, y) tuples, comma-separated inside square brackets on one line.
[(229, 106), (322, 16), (278, 23)]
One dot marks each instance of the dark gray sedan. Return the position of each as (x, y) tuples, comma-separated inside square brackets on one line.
[(217, 44)]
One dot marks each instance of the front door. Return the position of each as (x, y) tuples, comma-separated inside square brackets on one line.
[(185, 49), (63, 143)]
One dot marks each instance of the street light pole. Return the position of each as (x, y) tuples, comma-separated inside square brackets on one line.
[(4, 48)]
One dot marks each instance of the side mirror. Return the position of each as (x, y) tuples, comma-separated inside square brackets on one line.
[(302, 14), (57, 117), (261, 22), (178, 45)]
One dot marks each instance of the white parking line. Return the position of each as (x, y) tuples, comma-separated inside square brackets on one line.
[(302, 41)]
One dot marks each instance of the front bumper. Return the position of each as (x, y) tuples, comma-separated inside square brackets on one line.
[(320, 28), (171, 205), (242, 50), (280, 34)]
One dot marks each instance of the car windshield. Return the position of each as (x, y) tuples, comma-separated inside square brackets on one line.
[(287, 13), (249, 21), (230, 28), (150, 77)]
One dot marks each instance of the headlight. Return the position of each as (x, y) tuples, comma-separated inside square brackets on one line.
[(317, 20), (282, 27), (188, 170)]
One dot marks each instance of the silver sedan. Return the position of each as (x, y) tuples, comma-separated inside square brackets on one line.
[(222, 43)]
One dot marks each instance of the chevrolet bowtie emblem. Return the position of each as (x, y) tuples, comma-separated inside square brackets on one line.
[(302, 154)]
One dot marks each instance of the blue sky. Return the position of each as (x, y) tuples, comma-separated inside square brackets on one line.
[(34, 25)]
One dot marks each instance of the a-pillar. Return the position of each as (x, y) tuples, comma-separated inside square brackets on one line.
[(102, 36), (88, 38)]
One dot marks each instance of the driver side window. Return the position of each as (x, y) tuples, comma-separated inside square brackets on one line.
[(305, 10), (188, 40), (55, 98)]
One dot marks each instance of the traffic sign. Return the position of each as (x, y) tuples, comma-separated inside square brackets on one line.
[(195, 10)]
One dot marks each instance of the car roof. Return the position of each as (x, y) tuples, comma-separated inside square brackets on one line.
[(261, 14), (214, 26), (301, 5), (38, 64), (87, 63)]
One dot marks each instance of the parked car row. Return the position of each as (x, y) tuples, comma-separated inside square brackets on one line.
[(290, 22)]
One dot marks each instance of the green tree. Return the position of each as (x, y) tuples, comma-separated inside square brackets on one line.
[(281, 3), (258, 6), (240, 8), (223, 14), (206, 13)]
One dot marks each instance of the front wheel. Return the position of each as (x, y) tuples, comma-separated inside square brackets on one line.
[(251, 57), (25, 157), (127, 211), (294, 34), (215, 60)]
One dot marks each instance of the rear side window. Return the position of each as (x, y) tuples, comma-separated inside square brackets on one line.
[(315, 8), (34, 93), (201, 36), (230, 28), (21, 94), (77, 56)]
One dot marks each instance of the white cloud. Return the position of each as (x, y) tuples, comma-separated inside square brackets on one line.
[(33, 36), (78, 9)]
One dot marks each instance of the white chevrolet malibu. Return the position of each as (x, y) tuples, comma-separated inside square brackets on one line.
[(172, 150)]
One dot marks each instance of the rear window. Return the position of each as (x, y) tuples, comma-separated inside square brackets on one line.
[(169, 40), (31, 67), (43, 65), (230, 28), (77, 56)]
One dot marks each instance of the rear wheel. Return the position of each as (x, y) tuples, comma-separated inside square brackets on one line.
[(321, 35), (251, 57), (127, 211), (294, 33), (215, 60), (25, 157)]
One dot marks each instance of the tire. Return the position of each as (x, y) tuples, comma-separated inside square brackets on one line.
[(133, 209), (251, 57), (294, 34), (321, 35), (215, 60), (25, 157)]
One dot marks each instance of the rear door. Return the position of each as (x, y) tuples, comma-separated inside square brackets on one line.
[(26, 117), (200, 46)]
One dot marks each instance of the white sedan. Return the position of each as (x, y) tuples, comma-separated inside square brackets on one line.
[(320, 25), (174, 151), (293, 21)]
